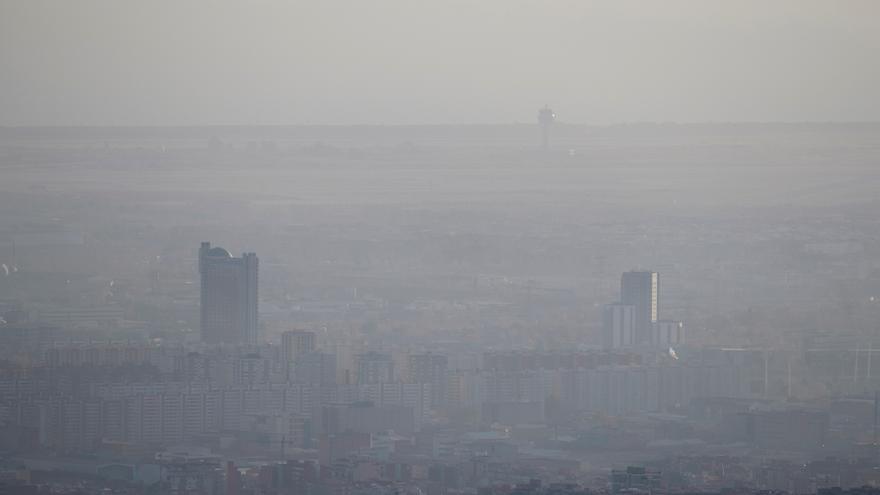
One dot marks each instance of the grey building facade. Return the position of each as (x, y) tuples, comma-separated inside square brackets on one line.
[(228, 296)]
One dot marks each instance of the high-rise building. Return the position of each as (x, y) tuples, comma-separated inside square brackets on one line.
[(432, 369), (667, 333), (618, 324), (374, 367), (295, 343), (315, 368), (642, 291), (228, 296)]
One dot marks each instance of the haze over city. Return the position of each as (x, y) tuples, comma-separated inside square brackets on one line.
[(439, 248), (204, 62)]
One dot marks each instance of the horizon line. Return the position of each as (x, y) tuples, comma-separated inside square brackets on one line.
[(482, 124)]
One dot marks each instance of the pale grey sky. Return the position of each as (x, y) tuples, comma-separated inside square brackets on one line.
[(110, 62)]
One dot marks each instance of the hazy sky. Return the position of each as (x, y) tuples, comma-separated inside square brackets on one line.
[(106, 62)]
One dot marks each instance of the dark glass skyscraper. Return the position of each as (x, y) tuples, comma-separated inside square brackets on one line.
[(229, 296), (642, 291)]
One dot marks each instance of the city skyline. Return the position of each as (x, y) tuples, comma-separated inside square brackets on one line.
[(444, 226)]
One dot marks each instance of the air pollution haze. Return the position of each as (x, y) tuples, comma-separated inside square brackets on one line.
[(207, 62), (439, 247)]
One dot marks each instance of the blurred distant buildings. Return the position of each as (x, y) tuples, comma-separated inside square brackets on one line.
[(228, 296), (635, 319)]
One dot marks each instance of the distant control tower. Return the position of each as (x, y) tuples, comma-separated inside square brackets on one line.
[(546, 117)]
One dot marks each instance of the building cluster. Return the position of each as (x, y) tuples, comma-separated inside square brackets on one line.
[(236, 412), (634, 321), (80, 396)]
